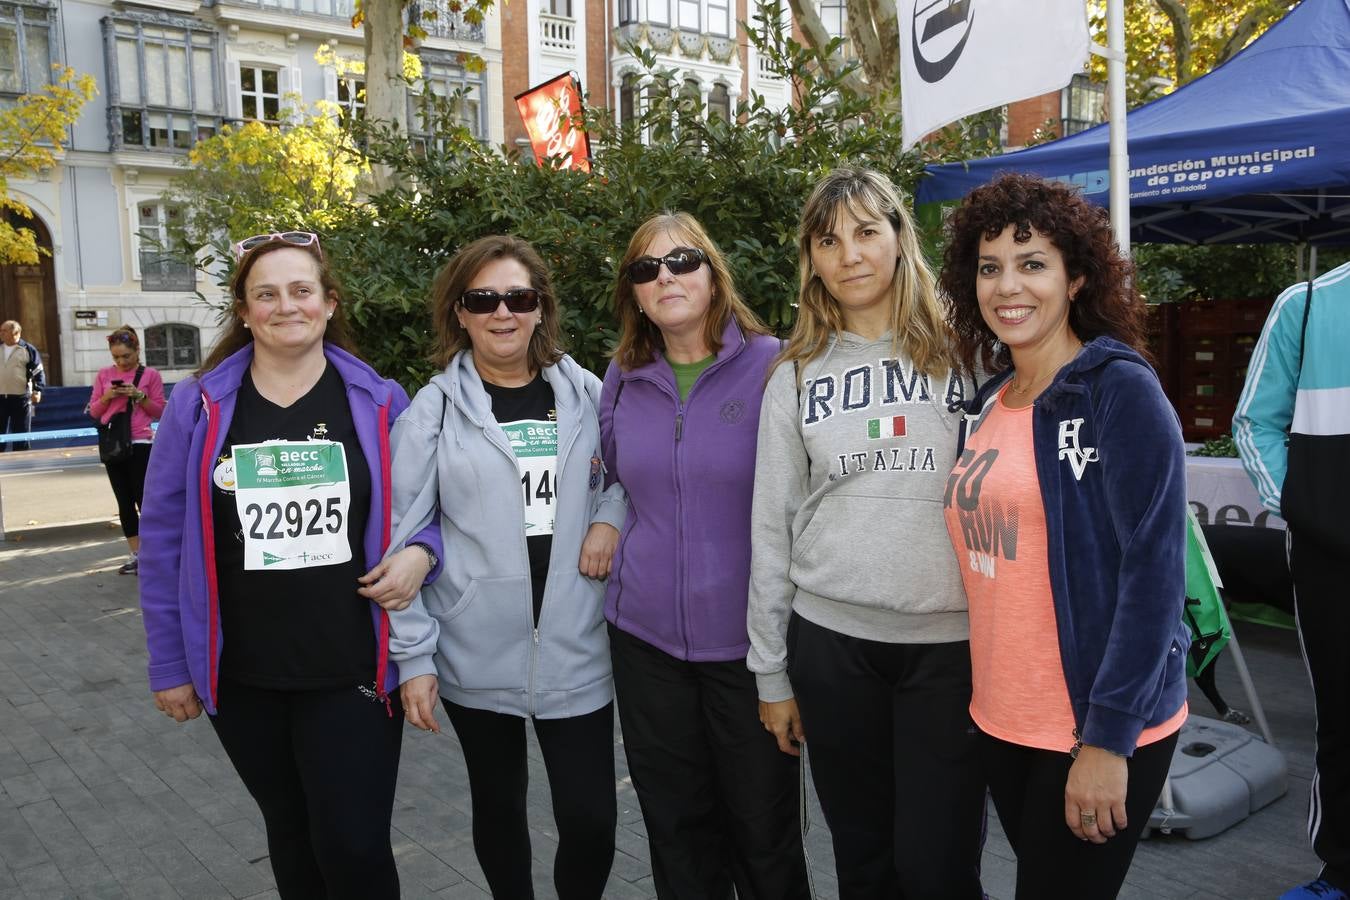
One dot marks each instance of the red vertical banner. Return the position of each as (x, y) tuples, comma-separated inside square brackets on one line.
[(549, 110)]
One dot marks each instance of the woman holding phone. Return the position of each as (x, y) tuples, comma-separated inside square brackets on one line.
[(128, 386)]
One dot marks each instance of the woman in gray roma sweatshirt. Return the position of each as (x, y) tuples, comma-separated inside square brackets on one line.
[(857, 615)]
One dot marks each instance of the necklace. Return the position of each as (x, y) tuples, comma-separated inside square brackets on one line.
[(1027, 387)]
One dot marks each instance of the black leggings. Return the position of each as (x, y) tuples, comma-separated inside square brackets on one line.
[(322, 766), (1027, 785), (579, 756), (128, 484), (892, 751), (719, 800)]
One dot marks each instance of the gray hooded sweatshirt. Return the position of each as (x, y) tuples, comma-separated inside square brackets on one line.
[(474, 625), (847, 527)]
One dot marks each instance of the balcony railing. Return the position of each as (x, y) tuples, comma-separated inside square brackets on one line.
[(158, 127), (341, 9), (444, 24), (766, 71), (162, 272), (558, 33)]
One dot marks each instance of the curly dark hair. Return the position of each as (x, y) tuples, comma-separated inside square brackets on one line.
[(1107, 303)]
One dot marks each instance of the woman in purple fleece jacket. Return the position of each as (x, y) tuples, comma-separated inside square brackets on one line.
[(264, 573), (679, 416)]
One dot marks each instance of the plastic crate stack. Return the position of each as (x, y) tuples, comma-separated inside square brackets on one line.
[(1201, 349)]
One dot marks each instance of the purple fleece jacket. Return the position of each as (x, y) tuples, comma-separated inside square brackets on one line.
[(179, 591), (681, 572)]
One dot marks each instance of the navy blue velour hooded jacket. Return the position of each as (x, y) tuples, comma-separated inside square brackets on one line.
[(1112, 472)]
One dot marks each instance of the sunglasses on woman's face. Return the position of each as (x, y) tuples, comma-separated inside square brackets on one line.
[(481, 302), (298, 238), (680, 261)]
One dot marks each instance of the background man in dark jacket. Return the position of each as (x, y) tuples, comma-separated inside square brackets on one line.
[(21, 383)]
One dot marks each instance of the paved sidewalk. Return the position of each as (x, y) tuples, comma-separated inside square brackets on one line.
[(102, 796), (46, 488)]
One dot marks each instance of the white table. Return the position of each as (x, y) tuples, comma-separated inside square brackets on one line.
[(1220, 493)]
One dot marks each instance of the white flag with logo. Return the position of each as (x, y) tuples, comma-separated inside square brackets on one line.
[(959, 57)]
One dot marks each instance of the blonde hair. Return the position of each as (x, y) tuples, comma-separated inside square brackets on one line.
[(918, 321), (639, 339)]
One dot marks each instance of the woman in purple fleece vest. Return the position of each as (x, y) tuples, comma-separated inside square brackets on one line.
[(678, 421)]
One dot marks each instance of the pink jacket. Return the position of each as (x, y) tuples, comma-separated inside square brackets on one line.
[(142, 414)]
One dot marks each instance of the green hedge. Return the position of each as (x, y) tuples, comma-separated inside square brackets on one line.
[(744, 180)]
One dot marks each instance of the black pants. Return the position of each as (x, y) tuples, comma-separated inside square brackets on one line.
[(579, 757), (893, 756), (322, 766), (719, 800), (16, 417), (1323, 617), (128, 485), (1027, 785)]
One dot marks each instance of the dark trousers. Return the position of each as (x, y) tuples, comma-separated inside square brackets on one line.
[(1323, 617), (16, 417), (579, 757), (893, 756), (1027, 785), (322, 766), (128, 484), (719, 800)]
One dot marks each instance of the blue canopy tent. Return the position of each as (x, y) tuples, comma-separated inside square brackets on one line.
[(1256, 151)]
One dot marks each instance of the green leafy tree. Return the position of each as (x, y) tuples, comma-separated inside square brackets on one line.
[(31, 133), (1168, 42), (744, 179), (256, 178), (1171, 42)]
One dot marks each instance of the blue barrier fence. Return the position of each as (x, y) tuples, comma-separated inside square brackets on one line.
[(60, 420)]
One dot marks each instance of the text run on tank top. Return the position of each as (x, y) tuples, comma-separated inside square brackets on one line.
[(290, 501), (530, 420)]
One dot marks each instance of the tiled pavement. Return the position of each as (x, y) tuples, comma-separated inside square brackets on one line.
[(101, 796)]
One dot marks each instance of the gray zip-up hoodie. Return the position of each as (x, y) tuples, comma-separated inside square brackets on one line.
[(474, 625), (847, 527)]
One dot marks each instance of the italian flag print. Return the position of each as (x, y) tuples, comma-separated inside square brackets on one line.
[(886, 428)]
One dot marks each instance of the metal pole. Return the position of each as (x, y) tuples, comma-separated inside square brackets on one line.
[(1120, 154), (1245, 676)]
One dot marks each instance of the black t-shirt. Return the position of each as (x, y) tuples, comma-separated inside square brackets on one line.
[(295, 629), (534, 401)]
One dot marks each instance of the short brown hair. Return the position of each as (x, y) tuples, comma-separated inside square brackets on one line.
[(1106, 304), (337, 331), (639, 339), (451, 281)]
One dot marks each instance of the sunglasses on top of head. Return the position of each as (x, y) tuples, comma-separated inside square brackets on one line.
[(680, 261), (295, 238), (481, 302)]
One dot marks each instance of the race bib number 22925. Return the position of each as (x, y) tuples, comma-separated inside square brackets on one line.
[(293, 500)]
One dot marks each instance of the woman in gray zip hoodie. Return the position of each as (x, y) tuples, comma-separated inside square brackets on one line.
[(503, 449), (857, 616)]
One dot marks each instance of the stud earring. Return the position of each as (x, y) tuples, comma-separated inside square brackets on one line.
[(330, 315), (246, 325)]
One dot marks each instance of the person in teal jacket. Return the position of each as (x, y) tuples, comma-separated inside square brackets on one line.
[(501, 453), (1292, 429)]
